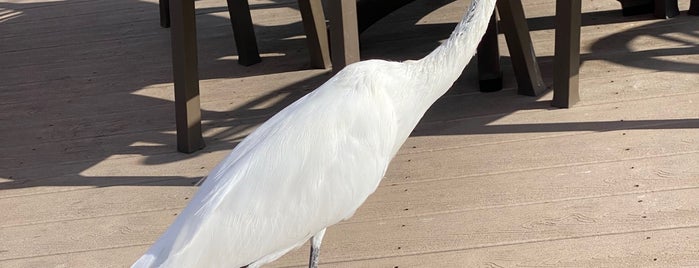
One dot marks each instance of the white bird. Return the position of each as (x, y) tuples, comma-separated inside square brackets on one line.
[(315, 162)]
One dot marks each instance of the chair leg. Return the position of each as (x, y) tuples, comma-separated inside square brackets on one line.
[(243, 32), (567, 54), (514, 25), (164, 6), (186, 77), (344, 33), (665, 9), (313, 20), (489, 72)]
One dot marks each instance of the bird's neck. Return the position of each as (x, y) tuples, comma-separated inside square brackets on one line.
[(446, 63)]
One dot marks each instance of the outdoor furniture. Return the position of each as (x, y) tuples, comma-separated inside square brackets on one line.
[(345, 50), (566, 57), (345, 43), (526, 68), (244, 33), (179, 15)]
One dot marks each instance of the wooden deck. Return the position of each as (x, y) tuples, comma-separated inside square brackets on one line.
[(90, 176)]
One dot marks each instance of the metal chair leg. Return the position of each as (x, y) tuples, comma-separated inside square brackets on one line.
[(344, 33), (514, 25), (313, 20), (243, 32), (185, 76), (567, 54)]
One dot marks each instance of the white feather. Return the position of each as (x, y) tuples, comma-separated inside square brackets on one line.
[(315, 162)]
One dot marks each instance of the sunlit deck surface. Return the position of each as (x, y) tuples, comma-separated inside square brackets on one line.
[(90, 176)]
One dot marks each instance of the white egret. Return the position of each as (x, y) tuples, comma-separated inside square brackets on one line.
[(315, 162)]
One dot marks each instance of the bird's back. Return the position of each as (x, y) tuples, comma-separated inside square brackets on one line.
[(306, 168)]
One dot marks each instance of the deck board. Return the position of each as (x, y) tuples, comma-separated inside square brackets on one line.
[(90, 176)]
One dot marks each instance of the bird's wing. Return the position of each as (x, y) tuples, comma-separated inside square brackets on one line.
[(306, 168)]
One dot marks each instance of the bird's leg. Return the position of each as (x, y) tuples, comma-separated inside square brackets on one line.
[(315, 248)]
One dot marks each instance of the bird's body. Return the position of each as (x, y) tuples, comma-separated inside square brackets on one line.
[(315, 162)]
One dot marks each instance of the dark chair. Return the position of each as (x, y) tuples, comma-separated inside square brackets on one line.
[(244, 33)]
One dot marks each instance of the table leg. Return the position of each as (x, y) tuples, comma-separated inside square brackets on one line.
[(567, 53), (186, 78), (344, 33)]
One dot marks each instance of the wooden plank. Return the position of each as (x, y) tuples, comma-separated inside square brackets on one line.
[(499, 190), (516, 225), (622, 89), (441, 130), (439, 121), (374, 239), (643, 249), (97, 233), (110, 257), (431, 142), (556, 184), (629, 250), (93, 203), (518, 157)]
